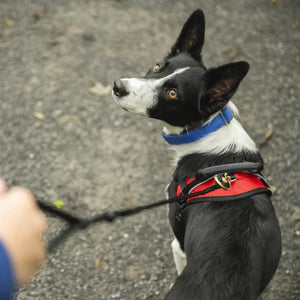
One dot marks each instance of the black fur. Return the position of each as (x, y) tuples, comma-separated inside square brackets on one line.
[(201, 92), (233, 248), (191, 38)]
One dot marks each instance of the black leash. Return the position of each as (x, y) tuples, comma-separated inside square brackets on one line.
[(77, 223)]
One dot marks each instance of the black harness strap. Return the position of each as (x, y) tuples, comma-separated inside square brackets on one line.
[(251, 167)]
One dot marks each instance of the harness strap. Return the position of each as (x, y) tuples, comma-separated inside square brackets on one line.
[(246, 166), (220, 188), (240, 183)]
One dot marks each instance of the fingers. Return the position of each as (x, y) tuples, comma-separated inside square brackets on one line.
[(43, 222), (21, 193), (26, 199), (22, 197), (3, 187)]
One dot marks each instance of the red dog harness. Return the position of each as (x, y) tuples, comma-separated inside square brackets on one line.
[(230, 187), (215, 184)]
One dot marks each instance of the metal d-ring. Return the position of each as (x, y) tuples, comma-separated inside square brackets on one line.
[(225, 181)]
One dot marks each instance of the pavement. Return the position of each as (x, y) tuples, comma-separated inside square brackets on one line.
[(63, 137)]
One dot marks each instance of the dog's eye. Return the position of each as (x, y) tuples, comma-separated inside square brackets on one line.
[(172, 94), (156, 68)]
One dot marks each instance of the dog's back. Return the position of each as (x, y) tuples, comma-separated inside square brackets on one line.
[(233, 248)]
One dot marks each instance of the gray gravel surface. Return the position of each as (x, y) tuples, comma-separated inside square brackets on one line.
[(66, 143)]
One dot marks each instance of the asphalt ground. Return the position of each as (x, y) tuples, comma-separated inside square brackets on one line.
[(68, 142)]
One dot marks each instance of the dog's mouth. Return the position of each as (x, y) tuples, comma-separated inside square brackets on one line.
[(117, 100)]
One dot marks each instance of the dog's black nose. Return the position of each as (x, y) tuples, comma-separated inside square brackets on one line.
[(120, 89)]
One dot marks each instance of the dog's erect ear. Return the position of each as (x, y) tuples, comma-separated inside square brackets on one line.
[(221, 83), (191, 38)]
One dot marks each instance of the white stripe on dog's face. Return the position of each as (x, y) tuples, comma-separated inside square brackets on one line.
[(143, 93)]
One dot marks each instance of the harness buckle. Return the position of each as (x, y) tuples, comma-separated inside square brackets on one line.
[(223, 180)]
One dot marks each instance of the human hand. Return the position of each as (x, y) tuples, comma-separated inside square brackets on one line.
[(22, 226)]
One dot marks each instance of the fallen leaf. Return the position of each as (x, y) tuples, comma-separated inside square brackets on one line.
[(97, 262), (69, 122), (127, 194), (54, 73), (74, 30), (39, 115), (269, 133), (59, 204), (296, 214), (267, 136), (38, 14), (100, 90), (10, 22), (88, 37)]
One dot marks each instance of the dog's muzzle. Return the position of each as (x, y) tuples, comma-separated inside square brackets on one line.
[(119, 89)]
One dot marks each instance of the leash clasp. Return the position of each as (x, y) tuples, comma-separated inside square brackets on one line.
[(223, 180)]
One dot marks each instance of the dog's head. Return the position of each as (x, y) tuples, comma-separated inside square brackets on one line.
[(180, 90)]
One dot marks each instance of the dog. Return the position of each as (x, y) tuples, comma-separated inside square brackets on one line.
[(226, 246)]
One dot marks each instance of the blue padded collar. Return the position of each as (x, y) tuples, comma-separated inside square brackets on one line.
[(223, 118)]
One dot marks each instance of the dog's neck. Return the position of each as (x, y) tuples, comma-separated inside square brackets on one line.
[(229, 138)]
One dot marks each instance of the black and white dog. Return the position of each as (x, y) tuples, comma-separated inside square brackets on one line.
[(229, 246)]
